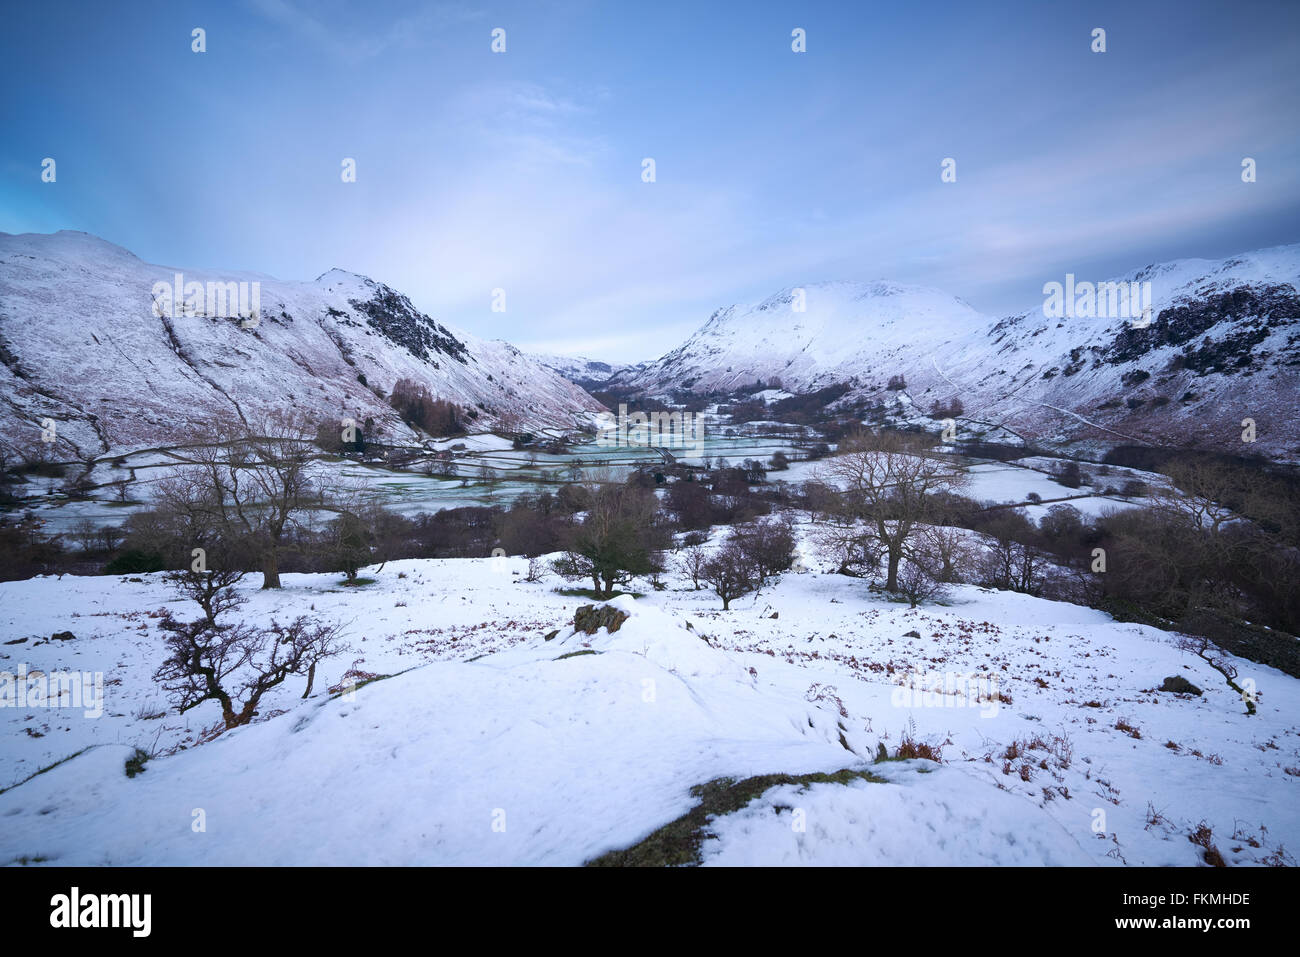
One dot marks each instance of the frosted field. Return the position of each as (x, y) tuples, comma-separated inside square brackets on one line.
[(512, 473), (486, 721)]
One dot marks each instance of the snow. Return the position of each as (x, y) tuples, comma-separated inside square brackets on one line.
[(1023, 376), (578, 368), (479, 442), (80, 327), (922, 817), (484, 721)]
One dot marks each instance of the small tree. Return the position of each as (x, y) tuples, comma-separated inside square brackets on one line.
[(730, 573), (616, 541), (768, 545), (234, 664), (251, 483), (942, 551), (693, 561), (1069, 475), (349, 544), (86, 534), (916, 583), (1134, 488), (892, 487)]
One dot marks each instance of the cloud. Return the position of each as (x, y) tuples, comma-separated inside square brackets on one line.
[(358, 42)]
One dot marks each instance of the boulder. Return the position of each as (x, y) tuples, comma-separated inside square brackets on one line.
[(589, 619), (1179, 685)]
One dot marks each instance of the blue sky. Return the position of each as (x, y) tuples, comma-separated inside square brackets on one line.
[(522, 170)]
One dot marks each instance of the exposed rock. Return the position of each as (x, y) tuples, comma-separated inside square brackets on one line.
[(1179, 685), (589, 619), (62, 636)]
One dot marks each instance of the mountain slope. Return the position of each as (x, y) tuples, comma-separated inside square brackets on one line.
[(82, 344), (1223, 344), (843, 330), (579, 369)]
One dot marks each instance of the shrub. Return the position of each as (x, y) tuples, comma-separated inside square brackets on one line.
[(1069, 475), (767, 545), (135, 562), (730, 573)]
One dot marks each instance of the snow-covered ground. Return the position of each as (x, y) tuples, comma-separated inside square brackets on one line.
[(492, 745), (1011, 483)]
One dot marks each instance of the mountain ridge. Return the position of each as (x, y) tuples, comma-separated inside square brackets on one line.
[(1223, 343), (82, 344)]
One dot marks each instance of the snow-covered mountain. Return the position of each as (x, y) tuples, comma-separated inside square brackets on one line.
[(834, 332), (580, 369), (1222, 345), (82, 343)]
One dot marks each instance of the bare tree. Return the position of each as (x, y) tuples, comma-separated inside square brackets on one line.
[(251, 483), (854, 550), (349, 544), (693, 561), (234, 664), (768, 544), (916, 582), (942, 551), (1198, 495), (891, 486), (86, 534), (443, 463), (730, 573)]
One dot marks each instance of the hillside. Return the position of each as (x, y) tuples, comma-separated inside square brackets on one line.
[(1223, 344), (494, 743), (82, 343)]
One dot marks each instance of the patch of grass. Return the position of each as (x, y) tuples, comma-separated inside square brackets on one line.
[(25, 860), (575, 654), (677, 844), (1203, 838), (48, 767), (595, 595), (358, 582), (135, 763), (1128, 728), (354, 679), (909, 748)]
